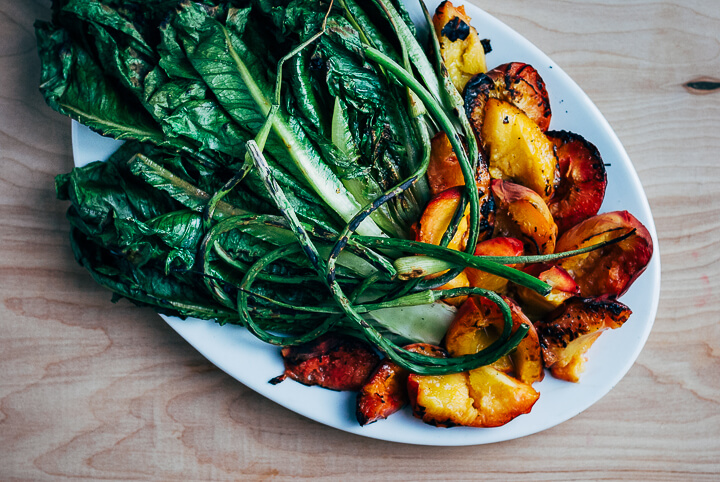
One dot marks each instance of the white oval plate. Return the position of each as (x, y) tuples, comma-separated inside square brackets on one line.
[(235, 351)]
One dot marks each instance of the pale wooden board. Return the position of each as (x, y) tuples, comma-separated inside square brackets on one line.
[(100, 391)]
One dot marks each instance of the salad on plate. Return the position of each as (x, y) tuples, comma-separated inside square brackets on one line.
[(362, 190)]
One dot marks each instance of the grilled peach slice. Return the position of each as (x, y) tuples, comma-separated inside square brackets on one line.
[(521, 213), (476, 326), (523, 87), (515, 82), (498, 397), (460, 46), (444, 169), (563, 287), (434, 222), (528, 360), (441, 400), (517, 149), (583, 179), (386, 390), (444, 173), (479, 322), (570, 331), (607, 271), (333, 361), (437, 217), (384, 393), (484, 397), (460, 281), (527, 356), (493, 247)]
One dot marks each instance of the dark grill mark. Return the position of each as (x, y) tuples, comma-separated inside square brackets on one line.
[(455, 29), (486, 45)]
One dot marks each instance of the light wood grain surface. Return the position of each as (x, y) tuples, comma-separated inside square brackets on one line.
[(92, 390)]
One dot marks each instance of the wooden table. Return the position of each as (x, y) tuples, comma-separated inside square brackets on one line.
[(100, 391)]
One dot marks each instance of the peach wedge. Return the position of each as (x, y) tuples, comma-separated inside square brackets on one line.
[(569, 332), (517, 149), (611, 270)]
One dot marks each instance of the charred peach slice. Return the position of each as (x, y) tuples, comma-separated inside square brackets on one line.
[(523, 87), (583, 179), (337, 362), (517, 149), (479, 323), (484, 397), (435, 221), (386, 392), (493, 247), (441, 400), (527, 357), (460, 46), (460, 281), (427, 349), (444, 169), (498, 397), (607, 271), (476, 326), (437, 217), (568, 333), (444, 173), (515, 82), (563, 287), (521, 213)]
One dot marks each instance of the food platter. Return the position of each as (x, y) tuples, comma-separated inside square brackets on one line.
[(253, 363)]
